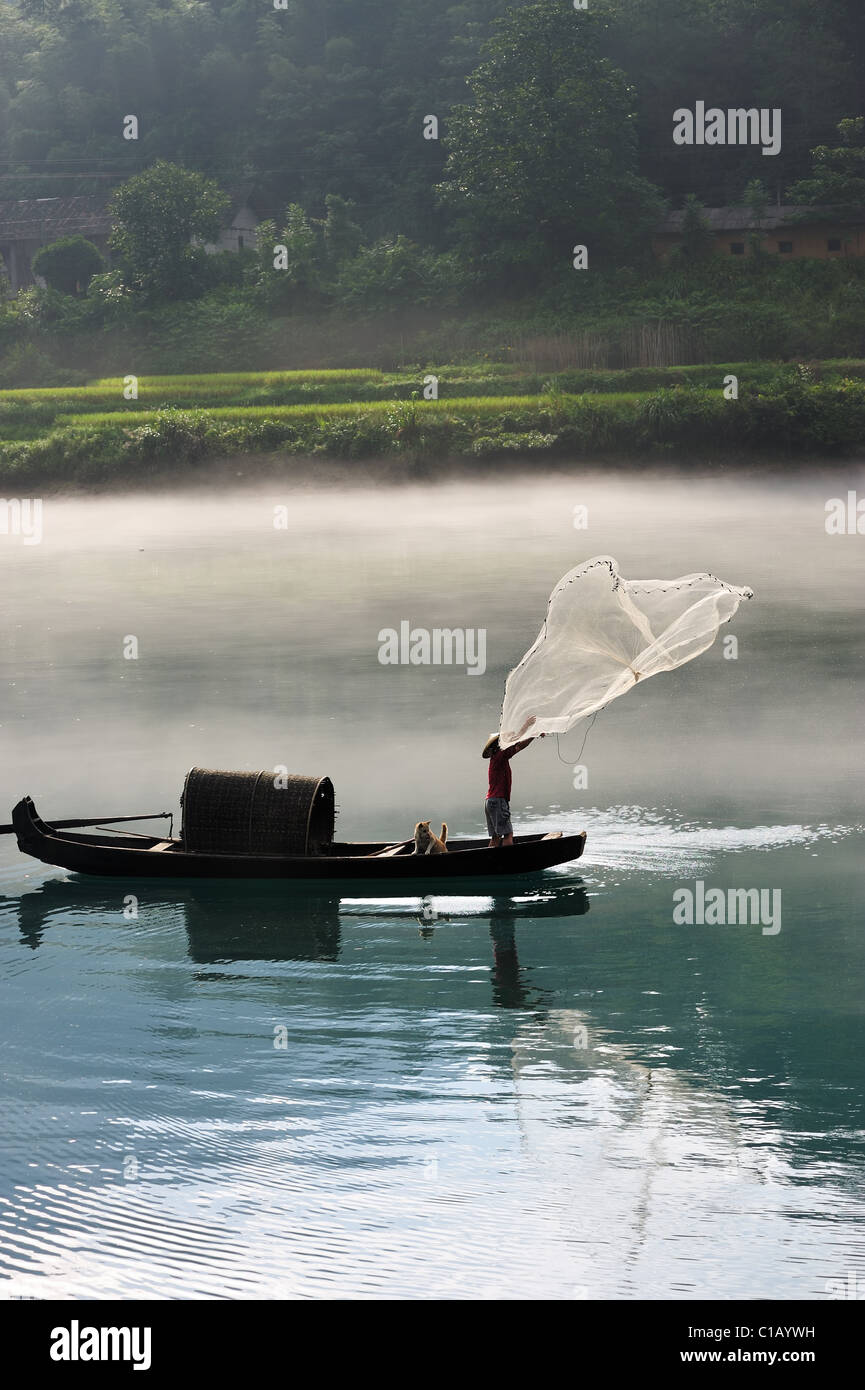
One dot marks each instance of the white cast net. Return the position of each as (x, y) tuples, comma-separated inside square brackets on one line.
[(602, 634)]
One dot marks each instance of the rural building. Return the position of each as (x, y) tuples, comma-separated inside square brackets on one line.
[(28, 223), (787, 230), (240, 231)]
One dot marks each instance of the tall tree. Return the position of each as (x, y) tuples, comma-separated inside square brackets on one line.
[(838, 177), (756, 200), (157, 215), (698, 239), (545, 156)]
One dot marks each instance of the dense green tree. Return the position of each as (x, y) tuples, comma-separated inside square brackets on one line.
[(156, 215), (68, 264), (341, 235), (396, 271), (838, 178), (288, 267), (795, 55), (545, 155), (756, 200), (327, 98), (698, 239)]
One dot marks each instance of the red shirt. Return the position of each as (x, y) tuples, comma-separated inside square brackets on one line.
[(500, 770)]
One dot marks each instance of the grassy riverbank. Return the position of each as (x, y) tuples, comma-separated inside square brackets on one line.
[(92, 434)]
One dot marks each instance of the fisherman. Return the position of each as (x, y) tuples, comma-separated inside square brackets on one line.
[(498, 807)]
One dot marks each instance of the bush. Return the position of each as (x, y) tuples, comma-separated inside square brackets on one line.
[(532, 442), (68, 265), (169, 434), (26, 365), (398, 271)]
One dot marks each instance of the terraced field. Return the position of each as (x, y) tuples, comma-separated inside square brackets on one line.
[(97, 434)]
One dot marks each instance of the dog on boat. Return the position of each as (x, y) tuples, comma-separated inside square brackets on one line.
[(427, 842)]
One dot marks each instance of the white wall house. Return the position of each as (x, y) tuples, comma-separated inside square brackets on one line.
[(240, 234)]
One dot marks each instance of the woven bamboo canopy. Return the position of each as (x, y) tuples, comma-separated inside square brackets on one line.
[(256, 813)]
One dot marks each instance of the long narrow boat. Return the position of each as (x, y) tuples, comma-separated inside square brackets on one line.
[(130, 855)]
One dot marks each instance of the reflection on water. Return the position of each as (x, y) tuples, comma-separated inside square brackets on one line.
[(278, 922), (658, 1110), (543, 1090)]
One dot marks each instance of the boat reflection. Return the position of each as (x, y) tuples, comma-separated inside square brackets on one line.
[(260, 923), (230, 922)]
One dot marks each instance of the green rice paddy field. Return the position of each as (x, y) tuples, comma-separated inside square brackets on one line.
[(474, 406), (116, 428)]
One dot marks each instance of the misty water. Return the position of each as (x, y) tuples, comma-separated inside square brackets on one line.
[(547, 1088)]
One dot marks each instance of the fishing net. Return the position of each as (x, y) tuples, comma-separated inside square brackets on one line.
[(602, 634)]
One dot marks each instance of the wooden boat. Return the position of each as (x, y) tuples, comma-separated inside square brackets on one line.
[(91, 851)]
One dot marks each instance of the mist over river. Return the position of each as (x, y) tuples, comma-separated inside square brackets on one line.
[(557, 1091)]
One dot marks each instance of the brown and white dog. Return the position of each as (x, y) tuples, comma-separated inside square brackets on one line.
[(425, 842)]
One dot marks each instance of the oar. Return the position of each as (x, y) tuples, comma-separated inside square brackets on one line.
[(389, 850), (104, 820)]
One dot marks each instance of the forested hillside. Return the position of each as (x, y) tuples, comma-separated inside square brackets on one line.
[(328, 96), (554, 125)]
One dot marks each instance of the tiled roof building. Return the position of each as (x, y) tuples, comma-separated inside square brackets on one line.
[(786, 230), (28, 223)]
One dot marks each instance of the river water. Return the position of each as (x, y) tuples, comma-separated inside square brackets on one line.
[(557, 1091)]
